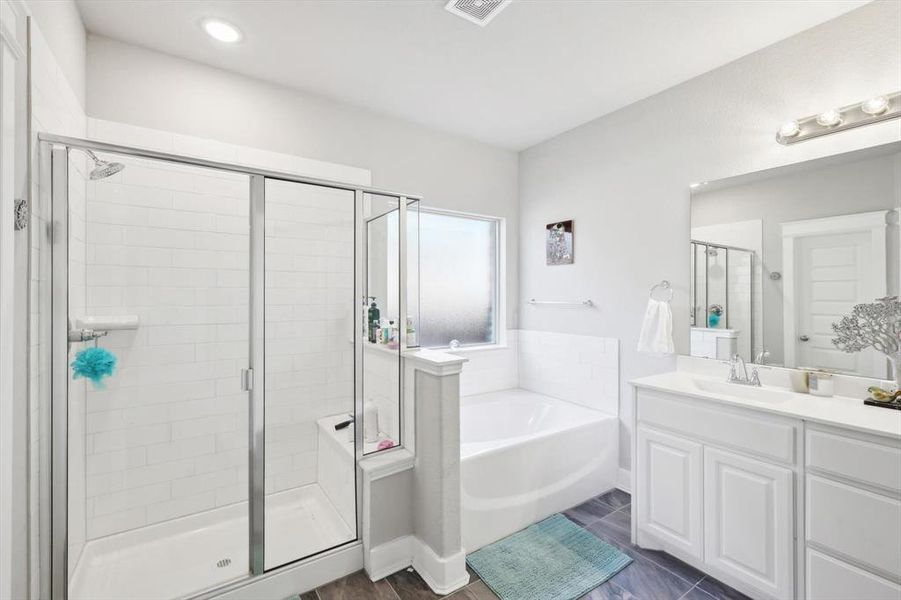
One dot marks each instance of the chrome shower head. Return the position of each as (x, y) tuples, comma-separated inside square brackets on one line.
[(103, 168)]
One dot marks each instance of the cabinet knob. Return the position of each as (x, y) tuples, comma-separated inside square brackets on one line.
[(804, 338)]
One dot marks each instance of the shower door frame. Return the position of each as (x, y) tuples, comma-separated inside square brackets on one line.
[(54, 152)]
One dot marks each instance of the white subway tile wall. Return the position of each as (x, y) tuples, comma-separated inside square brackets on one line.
[(578, 368), (168, 435), (309, 323), (381, 382), (492, 369)]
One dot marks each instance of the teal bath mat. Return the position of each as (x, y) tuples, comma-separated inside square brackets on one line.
[(551, 560)]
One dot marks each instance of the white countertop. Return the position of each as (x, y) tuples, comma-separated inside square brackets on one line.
[(838, 411)]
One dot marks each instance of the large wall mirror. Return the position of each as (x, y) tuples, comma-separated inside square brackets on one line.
[(778, 256)]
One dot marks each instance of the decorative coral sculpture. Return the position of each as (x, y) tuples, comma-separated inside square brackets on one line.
[(875, 325)]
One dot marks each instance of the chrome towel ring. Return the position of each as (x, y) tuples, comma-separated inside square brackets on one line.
[(666, 287)]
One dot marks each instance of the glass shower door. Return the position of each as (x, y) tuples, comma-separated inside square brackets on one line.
[(157, 280), (206, 366), (310, 310)]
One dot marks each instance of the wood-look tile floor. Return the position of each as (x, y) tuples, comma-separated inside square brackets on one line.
[(652, 575)]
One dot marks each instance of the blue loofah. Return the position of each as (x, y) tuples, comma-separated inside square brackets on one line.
[(93, 364)]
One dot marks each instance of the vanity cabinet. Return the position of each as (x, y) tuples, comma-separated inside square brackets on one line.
[(853, 515), (776, 506), (715, 487)]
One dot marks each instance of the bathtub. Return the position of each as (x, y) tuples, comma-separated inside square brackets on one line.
[(526, 456)]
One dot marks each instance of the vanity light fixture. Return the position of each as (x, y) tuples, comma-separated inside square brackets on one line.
[(874, 110), (789, 129), (830, 118), (875, 106), (222, 31)]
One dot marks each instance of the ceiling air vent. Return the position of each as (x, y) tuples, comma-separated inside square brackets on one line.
[(479, 12)]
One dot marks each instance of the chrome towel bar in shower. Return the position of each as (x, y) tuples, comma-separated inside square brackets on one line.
[(585, 303)]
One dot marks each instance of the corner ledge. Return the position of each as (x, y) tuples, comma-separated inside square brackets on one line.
[(386, 463), (436, 362)]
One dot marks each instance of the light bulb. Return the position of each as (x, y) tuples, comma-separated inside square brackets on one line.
[(789, 129), (875, 106), (830, 118), (222, 31)]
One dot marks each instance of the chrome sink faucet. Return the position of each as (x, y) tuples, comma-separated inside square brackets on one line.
[(742, 378)]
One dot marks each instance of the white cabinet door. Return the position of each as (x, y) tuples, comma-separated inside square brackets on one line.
[(748, 521), (669, 489)]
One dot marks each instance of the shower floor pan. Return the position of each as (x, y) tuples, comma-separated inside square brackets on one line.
[(187, 555)]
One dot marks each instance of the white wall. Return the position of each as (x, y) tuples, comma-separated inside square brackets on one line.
[(624, 177), (64, 33), (14, 470), (133, 85)]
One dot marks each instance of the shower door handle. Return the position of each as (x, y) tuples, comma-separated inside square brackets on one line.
[(246, 380)]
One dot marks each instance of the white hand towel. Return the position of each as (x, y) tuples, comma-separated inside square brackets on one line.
[(656, 335)]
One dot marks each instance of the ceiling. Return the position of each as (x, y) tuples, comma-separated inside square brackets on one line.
[(539, 68)]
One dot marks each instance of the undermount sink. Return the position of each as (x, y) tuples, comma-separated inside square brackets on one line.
[(759, 394)]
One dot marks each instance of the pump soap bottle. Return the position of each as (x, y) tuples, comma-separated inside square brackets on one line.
[(373, 318)]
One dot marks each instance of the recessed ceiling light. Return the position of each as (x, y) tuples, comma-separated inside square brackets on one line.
[(222, 31)]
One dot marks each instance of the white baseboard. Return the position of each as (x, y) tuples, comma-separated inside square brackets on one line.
[(624, 480), (443, 574), (390, 557)]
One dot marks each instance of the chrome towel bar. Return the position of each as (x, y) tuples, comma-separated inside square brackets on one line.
[(585, 303)]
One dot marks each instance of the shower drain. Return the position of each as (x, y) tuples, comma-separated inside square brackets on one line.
[(224, 562)]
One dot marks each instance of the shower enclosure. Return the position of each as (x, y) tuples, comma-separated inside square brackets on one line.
[(722, 300), (233, 302)]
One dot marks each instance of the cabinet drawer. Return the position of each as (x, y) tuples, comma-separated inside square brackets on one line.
[(831, 579), (754, 433), (865, 461), (855, 523)]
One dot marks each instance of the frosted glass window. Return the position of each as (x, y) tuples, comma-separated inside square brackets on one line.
[(458, 272)]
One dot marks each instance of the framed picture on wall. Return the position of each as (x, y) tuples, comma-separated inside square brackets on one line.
[(559, 243)]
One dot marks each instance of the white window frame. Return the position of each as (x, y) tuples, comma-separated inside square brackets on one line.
[(500, 285)]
